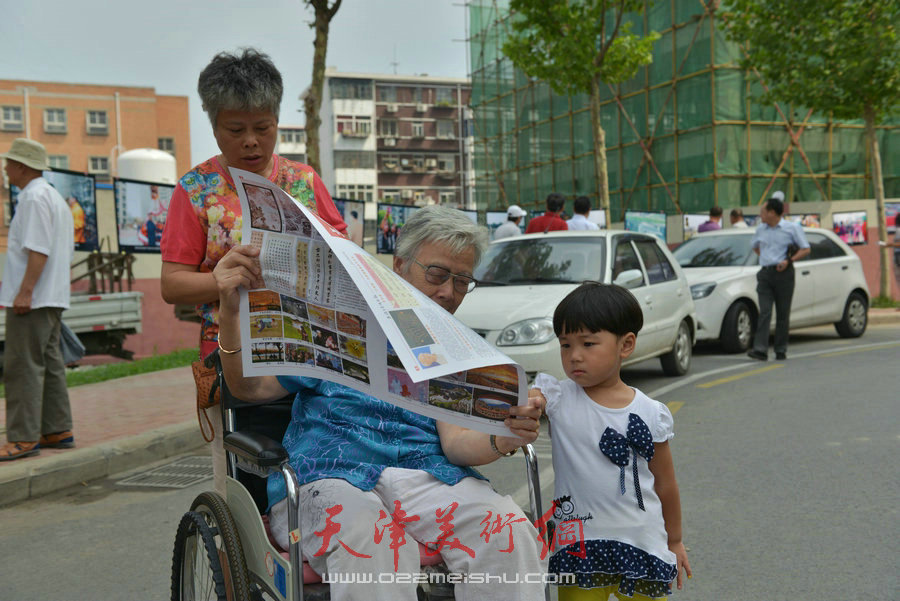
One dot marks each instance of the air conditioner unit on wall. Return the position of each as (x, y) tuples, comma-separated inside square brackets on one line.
[(431, 163), (391, 108), (406, 193), (420, 107), (390, 141)]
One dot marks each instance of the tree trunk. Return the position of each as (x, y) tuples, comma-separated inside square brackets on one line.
[(600, 165), (885, 273), (313, 100)]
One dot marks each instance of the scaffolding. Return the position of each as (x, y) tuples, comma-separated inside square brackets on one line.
[(682, 135)]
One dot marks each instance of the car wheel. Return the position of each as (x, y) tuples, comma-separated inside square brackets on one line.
[(737, 328), (856, 317), (677, 362)]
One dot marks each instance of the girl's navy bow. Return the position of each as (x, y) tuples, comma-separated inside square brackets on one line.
[(615, 447)]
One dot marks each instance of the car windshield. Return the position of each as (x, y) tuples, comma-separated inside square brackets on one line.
[(542, 261), (716, 251)]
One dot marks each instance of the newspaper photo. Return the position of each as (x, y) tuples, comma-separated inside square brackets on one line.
[(330, 310)]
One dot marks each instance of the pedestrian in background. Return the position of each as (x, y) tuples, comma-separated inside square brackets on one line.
[(779, 243), (629, 541), (241, 93), (549, 221), (579, 221), (737, 219), (514, 215), (35, 291), (711, 224)]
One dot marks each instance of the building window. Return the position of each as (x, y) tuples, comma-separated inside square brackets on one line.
[(446, 163), (55, 121), (445, 128), (362, 192), (167, 144), (443, 96), (387, 93), (354, 159), (390, 162), (387, 127), (354, 126), (58, 161), (448, 197), (12, 119), (418, 129), (97, 123), (418, 164), (98, 165), (293, 136), (351, 88)]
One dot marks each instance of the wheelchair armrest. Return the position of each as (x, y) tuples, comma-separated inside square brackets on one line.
[(255, 448)]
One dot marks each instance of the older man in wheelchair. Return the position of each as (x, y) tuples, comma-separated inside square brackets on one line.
[(369, 473)]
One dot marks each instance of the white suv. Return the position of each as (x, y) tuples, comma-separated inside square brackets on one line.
[(522, 279), (829, 286)]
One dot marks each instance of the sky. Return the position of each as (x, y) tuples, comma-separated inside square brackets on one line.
[(165, 44)]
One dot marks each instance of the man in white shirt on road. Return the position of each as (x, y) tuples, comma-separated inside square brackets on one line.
[(580, 220), (511, 228), (35, 291)]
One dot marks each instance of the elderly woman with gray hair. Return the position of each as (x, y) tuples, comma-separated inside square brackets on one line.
[(241, 93)]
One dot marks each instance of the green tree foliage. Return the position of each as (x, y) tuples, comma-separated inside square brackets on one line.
[(577, 46), (837, 56)]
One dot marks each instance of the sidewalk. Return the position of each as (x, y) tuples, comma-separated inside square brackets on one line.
[(119, 425), (129, 422)]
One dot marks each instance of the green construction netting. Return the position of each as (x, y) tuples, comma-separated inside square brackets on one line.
[(710, 140)]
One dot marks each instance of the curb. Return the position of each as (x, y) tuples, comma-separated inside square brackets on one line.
[(878, 317), (46, 475)]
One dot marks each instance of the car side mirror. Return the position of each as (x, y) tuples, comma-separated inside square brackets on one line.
[(630, 278)]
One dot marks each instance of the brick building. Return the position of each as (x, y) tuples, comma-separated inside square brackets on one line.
[(84, 127), (396, 138)]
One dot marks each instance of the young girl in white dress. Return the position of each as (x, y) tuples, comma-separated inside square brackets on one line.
[(617, 507)]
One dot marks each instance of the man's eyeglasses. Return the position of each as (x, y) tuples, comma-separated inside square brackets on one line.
[(437, 275)]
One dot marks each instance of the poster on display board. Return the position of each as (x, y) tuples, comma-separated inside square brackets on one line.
[(79, 192), (892, 215), (353, 212), (598, 216), (141, 209), (646, 222), (391, 219), (805, 219), (851, 226), (692, 221)]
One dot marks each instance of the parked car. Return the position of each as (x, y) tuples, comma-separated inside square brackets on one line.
[(721, 267), (522, 279)]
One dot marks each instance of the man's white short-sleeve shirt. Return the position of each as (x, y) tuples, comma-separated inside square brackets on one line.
[(42, 223)]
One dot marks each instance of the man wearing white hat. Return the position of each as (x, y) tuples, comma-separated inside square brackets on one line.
[(514, 215), (35, 291)]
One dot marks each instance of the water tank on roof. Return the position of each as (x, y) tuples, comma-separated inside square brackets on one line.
[(148, 165)]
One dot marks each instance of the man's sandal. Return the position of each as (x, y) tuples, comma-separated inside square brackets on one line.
[(17, 450)]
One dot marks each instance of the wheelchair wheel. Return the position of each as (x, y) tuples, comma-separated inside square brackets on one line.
[(196, 570), (215, 512)]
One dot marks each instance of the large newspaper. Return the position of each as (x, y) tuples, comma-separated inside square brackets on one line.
[(330, 310)]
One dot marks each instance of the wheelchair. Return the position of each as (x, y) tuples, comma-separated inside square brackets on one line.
[(222, 548)]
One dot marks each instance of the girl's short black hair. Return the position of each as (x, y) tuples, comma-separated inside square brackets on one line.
[(598, 307)]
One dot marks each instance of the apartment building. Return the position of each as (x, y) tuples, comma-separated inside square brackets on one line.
[(396, 138), (85, 127), (291, 142)]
